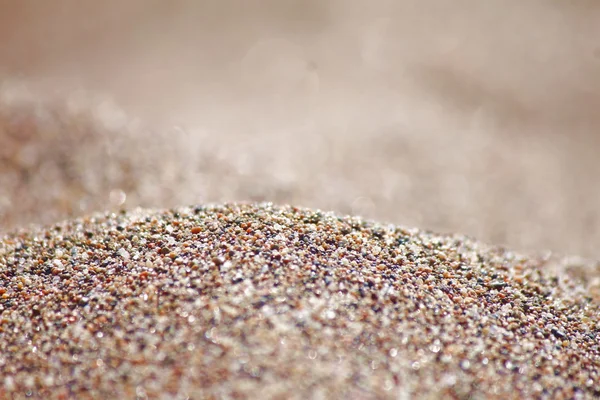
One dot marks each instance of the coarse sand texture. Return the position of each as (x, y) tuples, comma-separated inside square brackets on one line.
[(263, 301)]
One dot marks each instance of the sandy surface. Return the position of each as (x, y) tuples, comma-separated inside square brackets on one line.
[(455, 117), (260, 301)]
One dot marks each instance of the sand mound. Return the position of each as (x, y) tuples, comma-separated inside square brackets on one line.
[(278, 302)]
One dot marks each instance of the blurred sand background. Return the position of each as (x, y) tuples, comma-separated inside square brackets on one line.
[(456, 116)]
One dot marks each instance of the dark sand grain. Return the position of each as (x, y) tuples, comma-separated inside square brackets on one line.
[(278, 302)]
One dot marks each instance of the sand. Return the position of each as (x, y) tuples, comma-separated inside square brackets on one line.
[(468, 119), (231, 301)]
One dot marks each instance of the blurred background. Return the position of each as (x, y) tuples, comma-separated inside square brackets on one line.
[(455, 116)]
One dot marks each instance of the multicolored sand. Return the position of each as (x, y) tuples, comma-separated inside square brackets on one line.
[(232, 301), (436, 116)]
